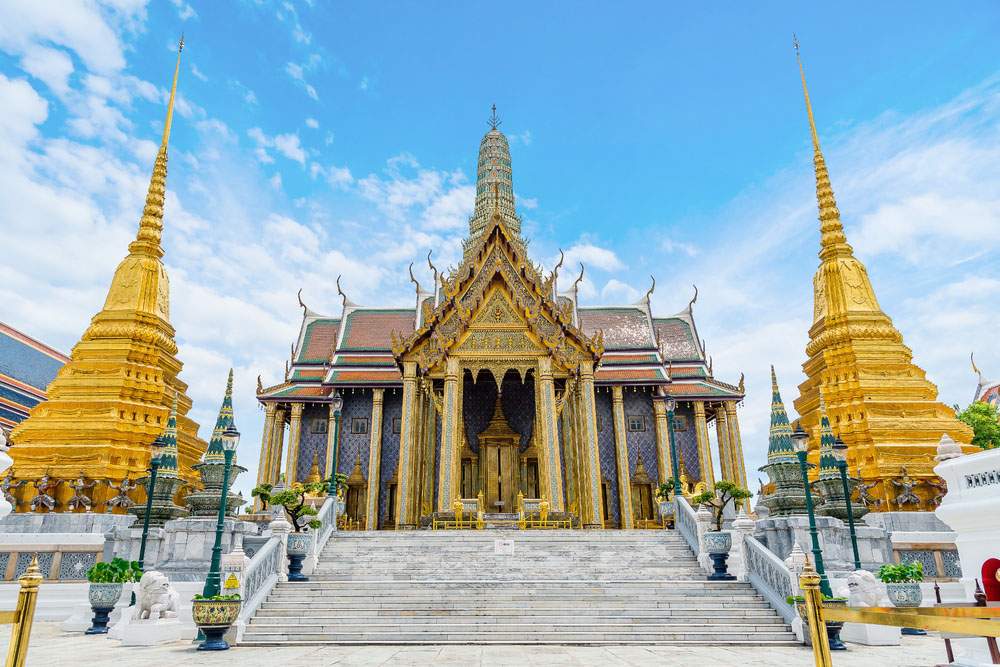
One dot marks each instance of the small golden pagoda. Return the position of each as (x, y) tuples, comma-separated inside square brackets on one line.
[(111, 401), (878, 401)]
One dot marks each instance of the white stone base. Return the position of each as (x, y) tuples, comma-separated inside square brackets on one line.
[(152, 632), (870, 635)]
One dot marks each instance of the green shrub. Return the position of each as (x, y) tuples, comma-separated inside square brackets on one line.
[(294, 502), (234, 596), (118, 571), (902, 573), (724, 493)]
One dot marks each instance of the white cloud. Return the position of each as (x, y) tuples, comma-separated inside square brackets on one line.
[(671, 246), (440, 200), (298, 73), (593, 256), (615, 291), (184, 10), (312, 122), (51, 66), (287, 145), (198, 73)]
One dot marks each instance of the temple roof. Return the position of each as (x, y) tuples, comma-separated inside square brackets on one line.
[(27, 366), (625, 328)]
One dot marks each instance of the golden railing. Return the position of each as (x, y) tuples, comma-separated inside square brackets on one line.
[(974, 621), (23, 615)]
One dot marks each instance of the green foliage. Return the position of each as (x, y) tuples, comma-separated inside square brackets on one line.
[(234, 596), (982, 418), (798, 599), (902, 573), (665, 491), (725, 492), (294, 501), (341, 483), (118, 571), (263, 493)]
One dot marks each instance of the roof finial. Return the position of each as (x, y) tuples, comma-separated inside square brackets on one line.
[(694, 299), (173, 94), (832, 238), (343, 296), (652, 287), (414, 280), (494, 118)]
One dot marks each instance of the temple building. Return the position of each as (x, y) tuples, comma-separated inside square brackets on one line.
[(987, 391), (27, 366), (496, 387), (111, 400), (878, 401)]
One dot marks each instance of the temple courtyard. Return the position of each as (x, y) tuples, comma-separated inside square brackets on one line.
[(51, 646)]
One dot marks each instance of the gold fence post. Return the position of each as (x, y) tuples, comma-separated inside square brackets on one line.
[(809, 583), (24, 615)]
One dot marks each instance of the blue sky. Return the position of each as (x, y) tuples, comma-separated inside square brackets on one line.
[(315, 139)]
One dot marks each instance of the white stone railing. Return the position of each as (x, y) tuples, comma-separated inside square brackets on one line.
[(769, 575), (328, 515), (687, 524), (265, 570)]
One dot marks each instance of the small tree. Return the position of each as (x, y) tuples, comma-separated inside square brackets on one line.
[(341, 483), (262, 492), (294, 502), (983, 418), (665, 491), (725, 492)]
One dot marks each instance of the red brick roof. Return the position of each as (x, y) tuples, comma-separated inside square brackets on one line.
[(677, 338), (609, 375), (370, 329), (318, 341), (366, 377), (624, 328)]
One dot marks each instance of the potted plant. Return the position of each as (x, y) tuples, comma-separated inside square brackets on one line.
[(664, 498), (301, 515), (214, 615), (106, 583), (719, 542), (833, 628), (902, 583)]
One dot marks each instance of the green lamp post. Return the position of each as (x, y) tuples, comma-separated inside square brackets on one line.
[(230, 440), (154, 465), (336, 404), (840, 452), (800, 441)]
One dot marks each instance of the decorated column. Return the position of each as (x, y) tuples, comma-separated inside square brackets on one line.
[(725, 453), (277, 445), (331, 434), (450, 436), (407, 438), (621, 456), (704, 446), (294, 430), (663, 463), (265, 447), (550, 435), (374, 461), (736, 449), (592, 514)]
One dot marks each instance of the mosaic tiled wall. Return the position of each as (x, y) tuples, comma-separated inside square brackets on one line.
[(478, 401), (354, 446), (640, 404), (312, 440), (686, 439), (606, 448), (392, 409)]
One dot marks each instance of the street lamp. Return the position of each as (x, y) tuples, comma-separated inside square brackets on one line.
[(230, 440), (671, 404), (154, 465), (800, 441), (336, 404), (840, 454)]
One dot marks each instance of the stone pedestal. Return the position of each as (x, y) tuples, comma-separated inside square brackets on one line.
[(187, 546), (64, 522), (870, 635), (779, 534), (152, 632), (205, 503)]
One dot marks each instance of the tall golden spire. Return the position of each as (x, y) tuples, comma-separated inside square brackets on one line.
[(147, 241), (833, 242)]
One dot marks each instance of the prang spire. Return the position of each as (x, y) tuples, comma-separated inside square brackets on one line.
[(833, 242), (494, 182), (779, 448), (147, 241)]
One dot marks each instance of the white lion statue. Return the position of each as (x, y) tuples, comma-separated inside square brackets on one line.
[(157, 598), (864, 590)]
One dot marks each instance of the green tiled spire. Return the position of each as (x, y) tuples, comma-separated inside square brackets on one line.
[(779, 447), (827, 461), (215, 453), (168, 444)]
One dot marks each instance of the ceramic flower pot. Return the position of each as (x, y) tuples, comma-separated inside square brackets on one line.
[(718, 542), (297, 549), (666, 508), (213, 618), (904, 594), (103, 598)]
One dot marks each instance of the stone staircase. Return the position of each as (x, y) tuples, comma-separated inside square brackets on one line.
[(558, 587)]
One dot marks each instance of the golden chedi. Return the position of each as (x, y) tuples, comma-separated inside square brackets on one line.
[(111, 401), (878, 401)]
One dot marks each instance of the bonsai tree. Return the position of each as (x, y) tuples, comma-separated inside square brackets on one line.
[(725, 492), (984, 419), (118, 571), (665, 491), (262, 492), (902, 573), (294, 501)]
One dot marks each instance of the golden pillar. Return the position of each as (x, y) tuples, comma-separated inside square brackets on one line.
[(572, 460), (277, 445), (417, 465), (451, 431), (725, 452), (663, 463), (331, 432), (407, 438), (374, 461), (550, 435), (430, 445), (294, 431), (592, 513), (621, 456), (736, 449), (704, 446), (265, 445)]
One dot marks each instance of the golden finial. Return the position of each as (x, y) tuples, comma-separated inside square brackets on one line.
[(832, 238), (173, 94)]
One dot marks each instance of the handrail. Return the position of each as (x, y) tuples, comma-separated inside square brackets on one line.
[(261, 576), (687, 523), (23, 615), (328, 515), (770, 576)]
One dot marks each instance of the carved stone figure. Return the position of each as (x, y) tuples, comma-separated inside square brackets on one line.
[(905, 483), (121, 499), (8, 486), (157, 598), (864, 590), (43, 498), (865, 497), (940, 488), (79, 498)]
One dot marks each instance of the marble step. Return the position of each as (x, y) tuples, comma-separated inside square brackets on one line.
[(715, 636), (485, 617), (608, 607)]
